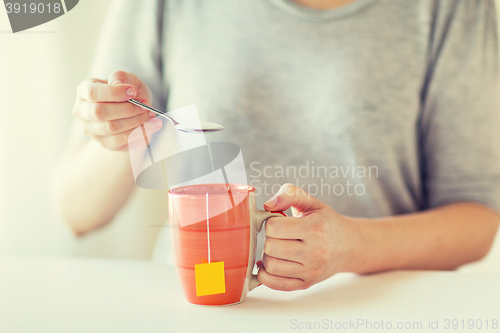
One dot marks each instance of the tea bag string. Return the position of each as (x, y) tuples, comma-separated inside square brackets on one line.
[(208, 230), (223, 173), (151, 155)]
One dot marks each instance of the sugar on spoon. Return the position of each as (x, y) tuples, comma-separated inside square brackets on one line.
[(187, 127)]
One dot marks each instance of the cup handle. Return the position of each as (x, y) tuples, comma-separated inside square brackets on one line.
[(262, 216)]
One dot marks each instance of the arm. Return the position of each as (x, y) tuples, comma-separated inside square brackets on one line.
[(318, 242), (90, 184), (93, 179), (441, 238)]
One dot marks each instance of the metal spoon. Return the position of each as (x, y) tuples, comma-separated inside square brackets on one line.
[(206, 127)]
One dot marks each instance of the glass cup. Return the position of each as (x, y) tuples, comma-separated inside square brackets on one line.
[(214, 235)]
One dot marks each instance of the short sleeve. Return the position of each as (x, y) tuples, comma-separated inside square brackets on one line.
[(460, 120), (131, 40)]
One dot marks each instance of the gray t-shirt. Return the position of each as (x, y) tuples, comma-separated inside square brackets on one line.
[(380, 107)]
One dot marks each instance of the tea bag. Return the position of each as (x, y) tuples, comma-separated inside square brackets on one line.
[(210, 279)]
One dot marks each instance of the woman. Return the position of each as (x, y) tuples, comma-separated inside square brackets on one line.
[(393, 102)]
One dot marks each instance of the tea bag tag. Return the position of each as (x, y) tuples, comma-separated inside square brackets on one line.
[(209, 276)]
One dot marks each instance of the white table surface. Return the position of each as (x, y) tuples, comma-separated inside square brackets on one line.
[(43, 294)]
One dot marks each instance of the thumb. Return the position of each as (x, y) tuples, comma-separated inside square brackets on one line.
[(121, 77), (290, 195)]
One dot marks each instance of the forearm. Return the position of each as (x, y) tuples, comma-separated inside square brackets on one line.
[(439, 239), (90, 185)]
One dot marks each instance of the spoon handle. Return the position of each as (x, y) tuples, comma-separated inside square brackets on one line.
[(158, 112)]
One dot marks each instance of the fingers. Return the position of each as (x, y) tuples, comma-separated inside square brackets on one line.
[(279, 282), (125, 78), (93, 90), (122, 77), (286, 249), (283, 268), (101, 112), (286, 227), (105, 114), (120, 141), (115, 126), (290, 195)]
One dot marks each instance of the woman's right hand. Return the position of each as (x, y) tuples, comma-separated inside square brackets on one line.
[(106, 116)]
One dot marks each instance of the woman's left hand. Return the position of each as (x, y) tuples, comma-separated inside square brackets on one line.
[(307, 248)]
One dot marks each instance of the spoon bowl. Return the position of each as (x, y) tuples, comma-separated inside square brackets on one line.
[(186, 127)]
